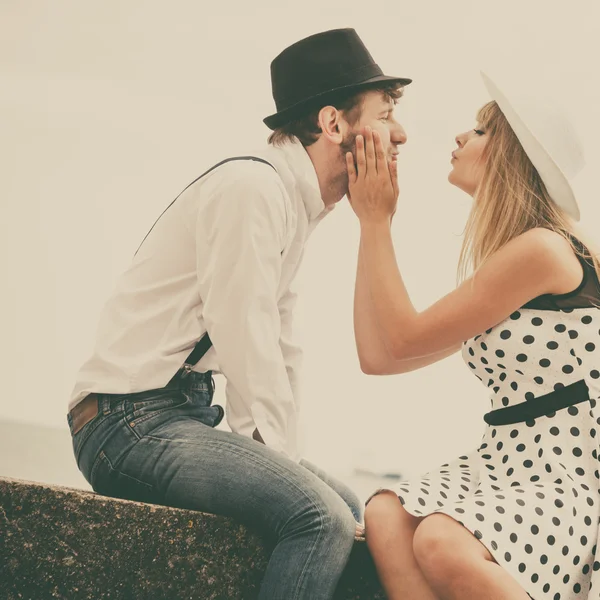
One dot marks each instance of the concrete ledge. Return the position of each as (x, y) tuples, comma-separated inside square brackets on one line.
[(58, 542)]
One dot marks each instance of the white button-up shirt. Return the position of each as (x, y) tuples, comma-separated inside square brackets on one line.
[(221, 259)]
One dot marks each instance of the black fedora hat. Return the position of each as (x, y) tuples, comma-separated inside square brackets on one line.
[(318, 68)]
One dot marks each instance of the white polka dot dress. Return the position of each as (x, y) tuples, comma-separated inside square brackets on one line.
[(530, 492)]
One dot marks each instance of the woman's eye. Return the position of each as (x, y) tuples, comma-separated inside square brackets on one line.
[(479, 132)]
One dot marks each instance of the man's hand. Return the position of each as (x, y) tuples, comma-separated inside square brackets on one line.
[(256, 436)]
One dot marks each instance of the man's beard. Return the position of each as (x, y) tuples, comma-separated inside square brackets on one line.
[(349, 145)]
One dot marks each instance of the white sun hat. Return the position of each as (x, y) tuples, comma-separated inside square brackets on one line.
[(547, 135)]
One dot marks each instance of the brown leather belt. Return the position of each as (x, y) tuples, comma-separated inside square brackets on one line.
[(83, 412)]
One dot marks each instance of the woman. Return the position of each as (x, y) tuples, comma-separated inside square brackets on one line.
[(517, 517)]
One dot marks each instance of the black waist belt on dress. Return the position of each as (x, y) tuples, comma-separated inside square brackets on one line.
[(575, 393)]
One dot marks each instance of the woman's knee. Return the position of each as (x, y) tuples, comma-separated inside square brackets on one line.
[(435, 545), (384, 513), (384, 506)]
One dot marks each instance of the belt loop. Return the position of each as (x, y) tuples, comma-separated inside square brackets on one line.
[(104, 404)]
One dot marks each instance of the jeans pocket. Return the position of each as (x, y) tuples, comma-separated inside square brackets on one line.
[(82, 436), (108, 481), (150, 404)]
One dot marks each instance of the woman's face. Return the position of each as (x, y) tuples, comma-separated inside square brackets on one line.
[(468, 161)]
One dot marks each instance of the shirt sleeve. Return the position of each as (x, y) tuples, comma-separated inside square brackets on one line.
[(291, 350), (240, 237)]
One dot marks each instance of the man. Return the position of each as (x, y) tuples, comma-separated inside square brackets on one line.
[(213, 276)]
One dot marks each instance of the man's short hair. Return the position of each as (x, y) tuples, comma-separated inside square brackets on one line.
[(306, 128)]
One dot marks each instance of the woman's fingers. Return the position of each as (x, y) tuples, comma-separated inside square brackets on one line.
[(351, 168), (361, 162), (394, 177), (370, 151), (371, 157), (380, 152)]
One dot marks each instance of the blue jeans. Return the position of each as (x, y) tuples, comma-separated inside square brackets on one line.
[(161, 447)]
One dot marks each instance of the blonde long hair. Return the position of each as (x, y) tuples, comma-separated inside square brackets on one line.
[(510, 200)]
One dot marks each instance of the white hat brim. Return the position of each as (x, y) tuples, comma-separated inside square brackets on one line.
[(554, 179)]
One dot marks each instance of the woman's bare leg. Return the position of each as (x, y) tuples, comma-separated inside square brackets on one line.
[(389, 531), (457, 566)]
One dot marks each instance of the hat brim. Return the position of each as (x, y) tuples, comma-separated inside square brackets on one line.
[(288, 114), (554, 179)]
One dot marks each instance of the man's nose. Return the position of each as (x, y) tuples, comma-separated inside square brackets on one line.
[(398, 134)]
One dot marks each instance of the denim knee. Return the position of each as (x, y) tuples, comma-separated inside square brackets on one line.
[(326, 515), (357, 507), (337, 520)]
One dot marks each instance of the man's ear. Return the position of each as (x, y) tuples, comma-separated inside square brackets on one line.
[(333, 125)]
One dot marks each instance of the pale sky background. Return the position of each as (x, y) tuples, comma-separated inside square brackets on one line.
[(109, 109)]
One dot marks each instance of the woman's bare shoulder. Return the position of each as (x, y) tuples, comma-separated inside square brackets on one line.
[(568, 269)]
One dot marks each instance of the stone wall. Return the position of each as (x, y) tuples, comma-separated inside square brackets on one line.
[(57, 542)]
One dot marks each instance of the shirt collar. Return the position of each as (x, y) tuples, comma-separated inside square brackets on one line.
[(303, 171)]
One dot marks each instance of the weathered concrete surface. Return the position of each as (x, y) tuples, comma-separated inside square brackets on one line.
[(57, 542)]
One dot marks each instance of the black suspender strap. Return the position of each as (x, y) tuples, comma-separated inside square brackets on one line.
[(204, 344), (254, 158)]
